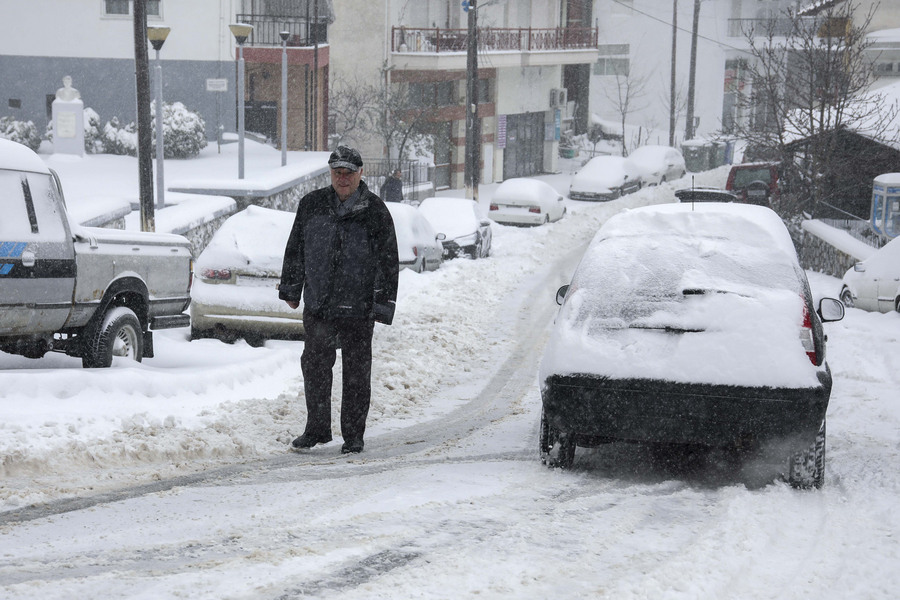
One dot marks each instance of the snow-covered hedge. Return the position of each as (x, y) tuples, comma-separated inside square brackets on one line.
[(24, 132), (184, 131)]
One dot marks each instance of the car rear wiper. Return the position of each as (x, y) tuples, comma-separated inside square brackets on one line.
[(665, 328)]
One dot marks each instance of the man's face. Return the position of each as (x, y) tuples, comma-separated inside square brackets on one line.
[(345, 181)]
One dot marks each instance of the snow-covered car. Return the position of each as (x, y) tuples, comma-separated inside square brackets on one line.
[(690, 327), (418, 246), (524, 201), (464, 224), (235, 293), (657, 164), (604, 178), (755, 183), (874, 284), (706, 194)]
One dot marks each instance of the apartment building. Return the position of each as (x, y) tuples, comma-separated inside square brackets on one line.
[(534, 59)]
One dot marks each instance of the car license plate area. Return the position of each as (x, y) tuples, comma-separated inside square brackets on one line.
[(251, 281)]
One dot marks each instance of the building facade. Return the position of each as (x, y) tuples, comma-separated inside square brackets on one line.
[(528, 51)]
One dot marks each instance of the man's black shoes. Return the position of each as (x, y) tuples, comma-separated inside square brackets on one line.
[(352, 446), (308, 440)]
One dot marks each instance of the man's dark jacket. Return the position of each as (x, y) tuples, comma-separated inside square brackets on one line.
[(344, 266)]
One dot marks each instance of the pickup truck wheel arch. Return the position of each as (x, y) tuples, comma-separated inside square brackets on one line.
[(118, 333)]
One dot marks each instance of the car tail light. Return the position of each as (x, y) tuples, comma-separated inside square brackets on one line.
[(806, 336), (535, 209), (220, 274), (494, 207), (416, 251), (191, 276)]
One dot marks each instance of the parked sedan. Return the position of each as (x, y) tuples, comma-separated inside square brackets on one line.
[(657, 164), (524, 201), (874, 284), (418, 246), (464, 224), (690, 327), (604, 178), (235, 295)]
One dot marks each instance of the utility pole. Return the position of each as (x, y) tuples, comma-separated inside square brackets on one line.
[(473, 130), (144, 133), (689, 126), (672, 94)]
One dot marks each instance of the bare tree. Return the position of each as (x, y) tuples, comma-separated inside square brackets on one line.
[(625, 96), (403, 120), (810, 79), (353, 107)]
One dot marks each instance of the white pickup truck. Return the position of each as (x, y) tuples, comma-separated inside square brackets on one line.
[(90, 292)]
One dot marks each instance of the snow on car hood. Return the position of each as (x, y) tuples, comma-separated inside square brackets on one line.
[(250, 242), (687, 296)]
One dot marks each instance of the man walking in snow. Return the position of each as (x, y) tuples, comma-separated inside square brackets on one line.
[(392, 188), (342, 257)]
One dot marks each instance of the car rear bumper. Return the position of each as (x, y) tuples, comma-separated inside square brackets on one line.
[(599, 410), (517, 217)]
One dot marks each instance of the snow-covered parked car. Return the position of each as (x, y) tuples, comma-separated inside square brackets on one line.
[(690, 326), (418, 246), (524, 201), (657, 164), (235, 294), (604, 178), (874, 284), (466, 227)]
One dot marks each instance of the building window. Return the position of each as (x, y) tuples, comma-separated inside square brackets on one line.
[(123, 7), (613, 59), (611, 66)]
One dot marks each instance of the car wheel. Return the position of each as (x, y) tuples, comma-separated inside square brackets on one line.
[(847, 297), (556, 448), (119, 333), (806, 469)]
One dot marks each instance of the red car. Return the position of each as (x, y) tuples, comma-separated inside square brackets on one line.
[(755, 183)]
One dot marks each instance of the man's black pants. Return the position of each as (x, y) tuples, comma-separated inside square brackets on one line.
[(317, 362)]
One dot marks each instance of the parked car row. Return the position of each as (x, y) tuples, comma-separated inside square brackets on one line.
[(610, 177)]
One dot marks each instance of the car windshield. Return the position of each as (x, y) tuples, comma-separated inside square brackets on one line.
[(655, 283), (744, 177)]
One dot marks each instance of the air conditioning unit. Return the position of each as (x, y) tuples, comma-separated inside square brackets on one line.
[(558, 98)]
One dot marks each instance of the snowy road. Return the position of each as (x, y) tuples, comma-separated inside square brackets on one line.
[(450, 500)]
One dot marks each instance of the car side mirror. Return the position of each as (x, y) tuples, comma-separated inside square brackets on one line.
[(561, 294), (859, 267), (485, 223), (830, 310), (441, 237)]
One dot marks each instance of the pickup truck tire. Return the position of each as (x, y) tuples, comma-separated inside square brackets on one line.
[(119, 333)]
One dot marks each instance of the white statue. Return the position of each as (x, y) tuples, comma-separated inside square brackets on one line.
[(67, 93)]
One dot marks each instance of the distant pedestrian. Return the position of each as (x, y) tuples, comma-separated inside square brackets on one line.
[(392, 188), (341, 256)]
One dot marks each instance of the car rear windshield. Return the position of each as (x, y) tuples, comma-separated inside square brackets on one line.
[(625, 279), (744, 177)]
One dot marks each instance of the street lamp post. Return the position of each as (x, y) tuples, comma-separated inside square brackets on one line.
[(157, 37), (284, 94), (240, 31)]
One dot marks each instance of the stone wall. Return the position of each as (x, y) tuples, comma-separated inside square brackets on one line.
[(818, 255)]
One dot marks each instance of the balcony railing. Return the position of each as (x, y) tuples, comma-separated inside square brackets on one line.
[(490, 39), (267, 29)]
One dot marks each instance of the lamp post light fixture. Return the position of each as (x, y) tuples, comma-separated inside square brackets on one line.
[(284, 94), (240, 31), (157, 37)]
